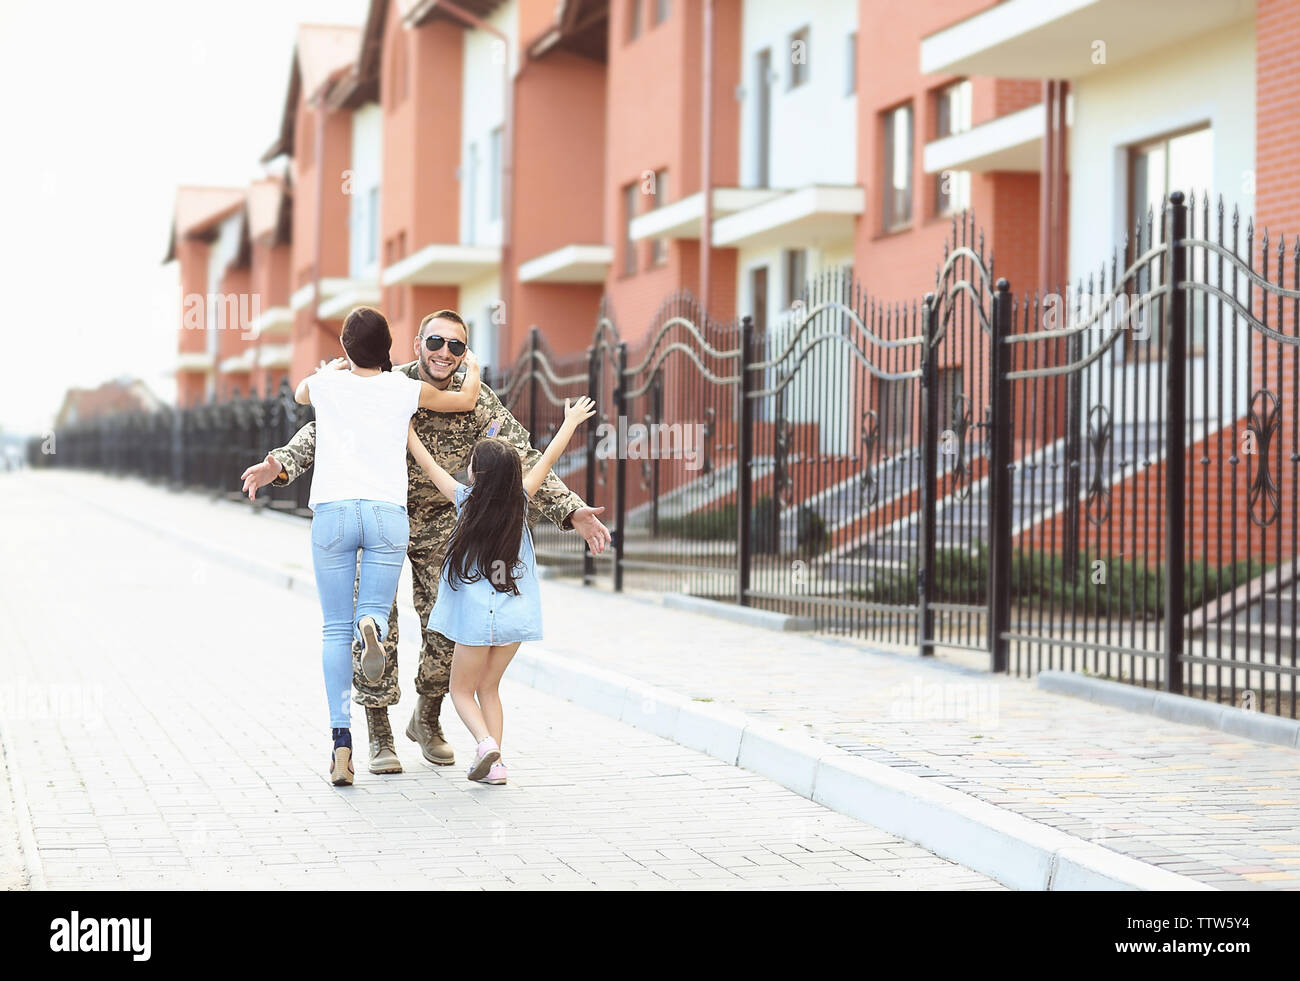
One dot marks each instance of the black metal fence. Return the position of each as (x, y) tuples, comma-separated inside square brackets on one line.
[(206, 446), (968, 469)]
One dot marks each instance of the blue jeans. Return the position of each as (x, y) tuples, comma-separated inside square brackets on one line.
[(338, 529)]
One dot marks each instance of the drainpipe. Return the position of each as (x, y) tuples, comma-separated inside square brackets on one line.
[(1047, 162), (706, 158), (318, 106), (1059, 213), (507, 160)]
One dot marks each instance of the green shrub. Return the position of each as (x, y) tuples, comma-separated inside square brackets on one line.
[(1130, 588), (720, 524)]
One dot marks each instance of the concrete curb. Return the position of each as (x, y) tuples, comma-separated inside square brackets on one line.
[(1011, 849), (1175, 708), (747, 615), (1014, 850)]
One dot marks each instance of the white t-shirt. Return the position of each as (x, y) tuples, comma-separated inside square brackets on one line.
[(361, 425)]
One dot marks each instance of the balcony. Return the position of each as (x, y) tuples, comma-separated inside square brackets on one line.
[(444, 265), (275, 322), (239, 362), (1010, 142), (274, 356), (203, 361), (570, 264), (684, 218), (330, 286), (359, 293), (1058, 38), (807, 218)]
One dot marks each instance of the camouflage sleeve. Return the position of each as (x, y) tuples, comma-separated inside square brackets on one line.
[(553, 499), (296, 458)]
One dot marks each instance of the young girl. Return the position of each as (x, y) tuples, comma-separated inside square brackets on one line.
[(488, 601), (358, 500)]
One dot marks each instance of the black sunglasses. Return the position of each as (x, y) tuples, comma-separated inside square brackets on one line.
[(434, 343)]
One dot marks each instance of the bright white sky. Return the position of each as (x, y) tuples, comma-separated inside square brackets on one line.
[(108, 106)]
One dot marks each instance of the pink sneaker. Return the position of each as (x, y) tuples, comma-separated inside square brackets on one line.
[(486, 753), (496, 775)]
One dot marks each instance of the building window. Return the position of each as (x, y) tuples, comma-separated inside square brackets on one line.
[(763, 120), (895, 409), (896, 206), (1156, 168), (634, 19), (851, 64), (952, 116), (471, 194), (372, 231), (659, 248), (308, 154), (398, 78), (662, 9), (630, 194), (950, 388), (796, 271), (494, 192), (798, 58)]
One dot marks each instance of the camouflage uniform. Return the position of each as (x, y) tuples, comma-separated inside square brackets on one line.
[(448, 436)]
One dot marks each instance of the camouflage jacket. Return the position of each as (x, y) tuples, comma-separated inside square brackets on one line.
[(449, 436)]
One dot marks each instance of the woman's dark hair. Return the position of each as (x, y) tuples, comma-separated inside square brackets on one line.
[(367, 339), (485, 541)]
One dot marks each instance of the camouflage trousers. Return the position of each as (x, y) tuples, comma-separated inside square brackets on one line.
[(430, 529)]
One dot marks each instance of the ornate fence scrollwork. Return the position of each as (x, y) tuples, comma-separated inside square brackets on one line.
[(868, 487), (1265, 494), (1098, 493)]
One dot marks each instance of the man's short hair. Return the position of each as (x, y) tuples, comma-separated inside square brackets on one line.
[(451, 315)]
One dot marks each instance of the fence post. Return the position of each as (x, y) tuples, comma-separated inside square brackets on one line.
[(593, 391), (744, 461), (532, 385), (176, 445), (657, 415), (929, 474), (1073, 456), (620, 469), (999, 585), (1175, 326)]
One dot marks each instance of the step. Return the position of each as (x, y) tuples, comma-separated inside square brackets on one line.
[(1277, 610)]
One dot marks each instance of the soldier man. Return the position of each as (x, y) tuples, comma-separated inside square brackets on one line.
[(440, 346)]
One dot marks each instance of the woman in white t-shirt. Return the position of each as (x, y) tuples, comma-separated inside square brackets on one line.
[(358, 500)]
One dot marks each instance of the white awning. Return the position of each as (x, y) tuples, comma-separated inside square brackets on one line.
[(682, 219), (444, 265), (809, 217), (570, 264), (1069, 38)]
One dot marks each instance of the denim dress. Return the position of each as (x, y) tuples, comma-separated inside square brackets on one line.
[(477, 614)]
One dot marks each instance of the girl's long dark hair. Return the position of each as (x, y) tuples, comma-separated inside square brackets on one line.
[(485, 542)]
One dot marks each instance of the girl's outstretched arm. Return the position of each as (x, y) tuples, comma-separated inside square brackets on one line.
[(437, 400), (444, 481), (575, 415)]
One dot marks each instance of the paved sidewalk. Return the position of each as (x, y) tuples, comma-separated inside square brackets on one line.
[(1198, 802), (165, 714)]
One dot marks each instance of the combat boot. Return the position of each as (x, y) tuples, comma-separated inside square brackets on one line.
[(383, 755), (426, 730)]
